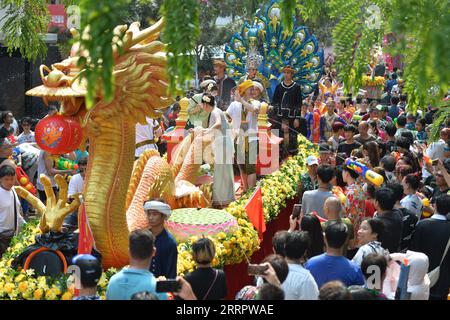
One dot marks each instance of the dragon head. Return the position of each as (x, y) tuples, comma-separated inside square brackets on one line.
[(139, 73)]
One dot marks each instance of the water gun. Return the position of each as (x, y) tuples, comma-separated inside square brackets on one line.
[(364, 171), (322, 220), (427, 160), (402, 286), (425, 204), (15, 155), (65, 164), (356, 117), (24, 181), (340, 194)]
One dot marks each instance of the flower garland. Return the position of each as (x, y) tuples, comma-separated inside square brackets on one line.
[(231, 248)]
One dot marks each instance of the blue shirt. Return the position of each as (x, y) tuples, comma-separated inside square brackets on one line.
[(164, 263), (394, 111), (123, 285), (325, 268)]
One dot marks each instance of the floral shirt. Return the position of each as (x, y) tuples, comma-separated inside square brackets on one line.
[(307, 183), (355, 204)]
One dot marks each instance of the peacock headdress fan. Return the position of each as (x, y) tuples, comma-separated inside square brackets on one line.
[(277, 47)]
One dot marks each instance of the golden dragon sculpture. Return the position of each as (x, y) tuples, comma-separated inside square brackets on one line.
[(115, 189)]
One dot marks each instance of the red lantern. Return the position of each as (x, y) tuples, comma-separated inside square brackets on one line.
[(58, 134)]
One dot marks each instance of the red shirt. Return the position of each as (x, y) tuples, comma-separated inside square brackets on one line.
[(369, 209)]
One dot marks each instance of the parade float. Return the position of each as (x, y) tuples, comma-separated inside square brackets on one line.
[(116, 185), (374, 86)]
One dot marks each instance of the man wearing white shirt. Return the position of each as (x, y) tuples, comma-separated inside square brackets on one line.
[(299, 284), (244, 115), (10, 211), (76, 185), (147, 136)]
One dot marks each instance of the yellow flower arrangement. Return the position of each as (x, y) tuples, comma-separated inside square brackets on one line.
[(373, 82), (67, 296), (37, 295), (231, 248)]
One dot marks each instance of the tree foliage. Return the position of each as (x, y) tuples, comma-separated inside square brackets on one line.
[(181, 33), (98, 20), (25, 24)]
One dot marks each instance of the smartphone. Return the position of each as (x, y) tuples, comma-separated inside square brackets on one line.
[(257, 269), (168, 286), (296, 210), (435, 162)]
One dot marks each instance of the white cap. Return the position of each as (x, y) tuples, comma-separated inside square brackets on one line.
[(311, 160), (158, 206)]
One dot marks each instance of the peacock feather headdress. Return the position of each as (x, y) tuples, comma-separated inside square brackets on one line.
[(266, 44)]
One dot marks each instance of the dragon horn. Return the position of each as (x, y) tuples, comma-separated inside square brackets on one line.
[(151, 32)]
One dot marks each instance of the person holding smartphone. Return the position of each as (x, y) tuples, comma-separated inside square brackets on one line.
[(273, 269), (137, 277)]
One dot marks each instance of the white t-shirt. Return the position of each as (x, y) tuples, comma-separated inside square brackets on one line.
[(413, 203), (235, 112), (26, 138), (434, 151), (76, 185), (7, 210), (299, 284), (147, 132)]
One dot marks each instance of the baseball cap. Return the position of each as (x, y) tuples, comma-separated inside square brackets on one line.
[(90, 269), (311, 160)]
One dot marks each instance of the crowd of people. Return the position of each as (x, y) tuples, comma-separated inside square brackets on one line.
[(347, 225)]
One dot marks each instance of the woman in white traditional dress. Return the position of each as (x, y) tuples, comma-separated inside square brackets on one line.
[(222, 145)]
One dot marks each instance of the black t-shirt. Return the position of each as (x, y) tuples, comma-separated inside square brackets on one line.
[(437, 192), (391, 236), (362, 141), (287, 99), (409, 225), (201, 280), (348, 147)]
